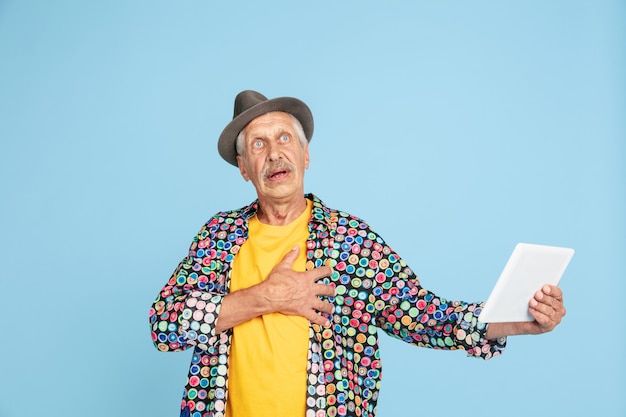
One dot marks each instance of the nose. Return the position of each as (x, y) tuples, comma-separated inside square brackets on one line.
[(274, 153)]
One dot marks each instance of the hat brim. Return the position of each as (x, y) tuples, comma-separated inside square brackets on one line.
[(226, 142)]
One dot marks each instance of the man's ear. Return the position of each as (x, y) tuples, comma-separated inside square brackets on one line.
[(242, 170), (306, 156)]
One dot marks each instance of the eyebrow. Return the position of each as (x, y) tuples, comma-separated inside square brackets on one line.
[(253, 134)]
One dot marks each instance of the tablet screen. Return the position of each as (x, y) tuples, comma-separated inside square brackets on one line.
[(528, 269)]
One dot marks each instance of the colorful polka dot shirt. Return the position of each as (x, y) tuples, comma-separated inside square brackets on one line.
[(375, 289)]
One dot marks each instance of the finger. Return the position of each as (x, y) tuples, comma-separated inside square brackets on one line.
[(325, 307), (538, 298), (547, 299), (556, 303), (315, 318), (291, 256), (546, 316), (553, 291), (555, 300), (543, 320), (320, 272), (542, 305), (324, 289)]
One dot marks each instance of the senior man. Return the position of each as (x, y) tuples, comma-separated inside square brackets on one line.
[(281, 300)]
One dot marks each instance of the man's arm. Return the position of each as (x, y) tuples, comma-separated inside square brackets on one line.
[(284, 291), (547, 309)]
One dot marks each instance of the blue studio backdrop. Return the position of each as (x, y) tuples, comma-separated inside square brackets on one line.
[(456, 129)]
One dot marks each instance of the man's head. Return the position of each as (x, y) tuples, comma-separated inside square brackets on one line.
[(249, 105), (269, 141), (274, 155)]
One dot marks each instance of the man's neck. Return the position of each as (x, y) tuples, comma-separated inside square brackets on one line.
[(280, 213)]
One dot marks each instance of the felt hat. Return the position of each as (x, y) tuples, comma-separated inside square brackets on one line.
[(249, 105)]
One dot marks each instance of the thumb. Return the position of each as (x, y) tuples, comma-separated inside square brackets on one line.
[(291, 256)]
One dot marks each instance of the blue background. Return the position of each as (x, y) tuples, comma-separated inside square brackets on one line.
[(456, 129)]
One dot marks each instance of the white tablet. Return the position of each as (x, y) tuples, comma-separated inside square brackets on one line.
[(528, 269)]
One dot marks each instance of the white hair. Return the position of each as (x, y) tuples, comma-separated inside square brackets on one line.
[(239, 143)]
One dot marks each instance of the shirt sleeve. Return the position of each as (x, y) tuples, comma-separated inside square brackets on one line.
[(415, 315), (186, 310)]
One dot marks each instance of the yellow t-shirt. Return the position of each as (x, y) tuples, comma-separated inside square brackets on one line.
[(267, 373)]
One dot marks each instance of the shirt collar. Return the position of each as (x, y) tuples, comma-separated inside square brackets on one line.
[(319, 213)]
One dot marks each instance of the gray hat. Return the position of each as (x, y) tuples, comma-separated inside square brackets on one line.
[(249, 105)]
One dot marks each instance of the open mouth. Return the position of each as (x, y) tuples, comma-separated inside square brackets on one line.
[(277, 170), (278, 174)]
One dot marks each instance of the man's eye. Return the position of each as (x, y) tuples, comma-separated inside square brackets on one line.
[(257, 143), (284, 138)]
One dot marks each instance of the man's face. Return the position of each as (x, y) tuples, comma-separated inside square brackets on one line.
[(273, 157)]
